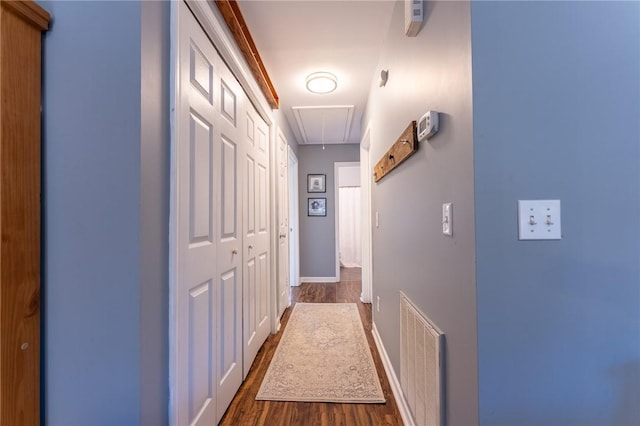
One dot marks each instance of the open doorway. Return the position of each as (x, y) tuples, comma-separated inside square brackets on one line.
[(348, 216)]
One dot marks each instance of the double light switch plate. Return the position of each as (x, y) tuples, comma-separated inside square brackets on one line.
[(539, 220)]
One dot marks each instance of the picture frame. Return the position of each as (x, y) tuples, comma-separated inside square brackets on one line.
[(316, 206), (316, 183)]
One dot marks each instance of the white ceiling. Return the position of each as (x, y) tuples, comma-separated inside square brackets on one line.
[(298, 37)]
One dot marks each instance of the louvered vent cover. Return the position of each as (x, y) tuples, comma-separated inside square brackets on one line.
[(421, 365)]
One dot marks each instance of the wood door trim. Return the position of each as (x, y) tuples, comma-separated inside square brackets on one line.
[(232, 15), (21, 24), (29, 12)]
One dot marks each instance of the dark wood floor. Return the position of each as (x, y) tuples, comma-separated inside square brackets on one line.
[(245, 410)]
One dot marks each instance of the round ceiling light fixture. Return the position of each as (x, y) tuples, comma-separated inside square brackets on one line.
[(321, 82)]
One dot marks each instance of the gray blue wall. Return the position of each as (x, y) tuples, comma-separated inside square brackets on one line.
[(410, 253), (106, 213), (318, 234), (105, 148), (556, 94), (154, 213)]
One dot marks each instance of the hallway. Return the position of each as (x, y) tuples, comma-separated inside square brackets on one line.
[(245, 410)]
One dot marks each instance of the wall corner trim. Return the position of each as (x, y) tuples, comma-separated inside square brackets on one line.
[(403, 407), (319, 279)]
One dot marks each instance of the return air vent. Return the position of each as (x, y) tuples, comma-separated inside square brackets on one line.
[(421, 365)]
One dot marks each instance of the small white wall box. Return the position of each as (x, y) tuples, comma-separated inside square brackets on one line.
[(413, 15), (428, 125)]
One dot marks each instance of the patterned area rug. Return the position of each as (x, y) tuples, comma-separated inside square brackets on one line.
[(323, 356)]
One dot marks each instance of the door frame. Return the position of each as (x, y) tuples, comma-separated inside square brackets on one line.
[(366, 220), (276, 197), (336, 182), (216, 30), (294, 221)]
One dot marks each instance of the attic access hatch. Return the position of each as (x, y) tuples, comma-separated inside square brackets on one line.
[(403, 148), (337, 121)]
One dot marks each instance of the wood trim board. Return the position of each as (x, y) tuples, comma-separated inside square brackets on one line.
[(403, 148), (21, 24), (232, 15)]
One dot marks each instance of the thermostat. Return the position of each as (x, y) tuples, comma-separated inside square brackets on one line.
[(428, 125)]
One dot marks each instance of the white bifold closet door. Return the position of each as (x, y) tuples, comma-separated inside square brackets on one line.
[(221, 195), (256, 237)]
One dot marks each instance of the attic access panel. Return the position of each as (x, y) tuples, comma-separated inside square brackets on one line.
[(337, 121)]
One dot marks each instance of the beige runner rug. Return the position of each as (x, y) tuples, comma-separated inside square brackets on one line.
[(323, 356)]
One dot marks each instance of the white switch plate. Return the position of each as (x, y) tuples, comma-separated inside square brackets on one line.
[(447, 219), (539, 220)]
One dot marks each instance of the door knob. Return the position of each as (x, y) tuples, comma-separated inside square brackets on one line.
[(234, 251), (250, 246), (283, 235)]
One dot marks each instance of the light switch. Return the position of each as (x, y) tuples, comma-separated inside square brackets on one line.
[(447, 219), (539, 220)]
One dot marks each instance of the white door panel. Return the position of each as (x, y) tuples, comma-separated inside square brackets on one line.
[(283, 224), (229, 258), (256, 237), (195, 400), (220, 221)]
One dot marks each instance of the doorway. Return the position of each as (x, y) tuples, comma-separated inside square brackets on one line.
[(348, 215), (294, 239)]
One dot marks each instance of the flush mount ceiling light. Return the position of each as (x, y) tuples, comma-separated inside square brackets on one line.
[(321, 82)]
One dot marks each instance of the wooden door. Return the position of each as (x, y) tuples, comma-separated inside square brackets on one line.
[(21, 24), (256, 237), (195, 155)]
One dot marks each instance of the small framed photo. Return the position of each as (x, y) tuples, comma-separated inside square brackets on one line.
[(316, 183), (317, 207)]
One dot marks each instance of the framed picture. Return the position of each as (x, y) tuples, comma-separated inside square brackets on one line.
[(316, 207), (316, 183)]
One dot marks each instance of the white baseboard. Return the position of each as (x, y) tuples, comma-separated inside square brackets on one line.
[(403, 407), (319, 279)]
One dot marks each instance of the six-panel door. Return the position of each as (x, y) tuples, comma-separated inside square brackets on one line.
[(222, 233)]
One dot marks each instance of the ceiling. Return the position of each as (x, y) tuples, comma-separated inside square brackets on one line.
[(298, 37)]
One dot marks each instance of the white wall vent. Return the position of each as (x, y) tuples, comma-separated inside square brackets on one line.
[(413, 15), (421, 365)]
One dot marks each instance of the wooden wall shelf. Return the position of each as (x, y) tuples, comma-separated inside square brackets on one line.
[(402, 149)]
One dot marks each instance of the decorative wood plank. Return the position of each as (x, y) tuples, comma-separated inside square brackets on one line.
[(232, 15), (20, 64), (402, 149)]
